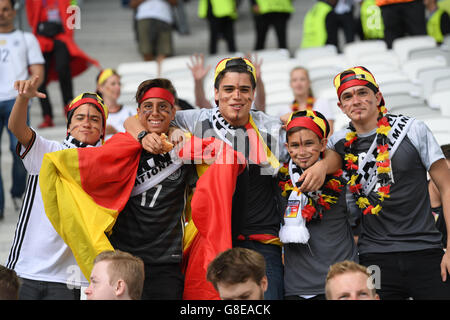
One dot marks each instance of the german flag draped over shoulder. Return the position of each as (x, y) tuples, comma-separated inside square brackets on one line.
[(84, 189), (209, 231)]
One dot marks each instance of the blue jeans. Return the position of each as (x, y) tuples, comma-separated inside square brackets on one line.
[(19, 174), (274, 266)]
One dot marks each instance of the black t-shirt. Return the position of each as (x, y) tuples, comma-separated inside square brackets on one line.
[(152, 222)]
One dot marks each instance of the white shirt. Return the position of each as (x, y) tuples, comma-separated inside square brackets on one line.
[(117, 119), (156, 9), (38, 252), (18, 50)]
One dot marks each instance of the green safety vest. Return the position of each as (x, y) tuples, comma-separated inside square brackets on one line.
[(371, 20), (266, 6), (444, 4), (314, 28), (434, 26), (220, 8)]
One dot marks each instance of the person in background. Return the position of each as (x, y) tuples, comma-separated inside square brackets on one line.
[(21, 58), (269, 13), (402, 18), (238, 274), (320, 25), (348, 280), (116, 275), (154, 28), (108, 87), (221, 15), (53, 24), (438, 22)]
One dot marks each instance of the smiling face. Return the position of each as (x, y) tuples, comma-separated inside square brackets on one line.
[(155, 114), (304, 147), (360, 104), (110, 89), (86, 124), (235, 96)]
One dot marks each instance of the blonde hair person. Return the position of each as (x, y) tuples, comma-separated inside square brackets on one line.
[(116, 275), (108, 86), (304, 98), (348, 280)]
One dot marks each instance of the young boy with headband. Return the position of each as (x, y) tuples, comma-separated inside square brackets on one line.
[(387, 158), (38, 254), (316, 232), (151, 225)]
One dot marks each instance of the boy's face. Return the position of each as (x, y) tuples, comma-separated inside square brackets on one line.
[(304, 147), (155, 114), (86, 124)]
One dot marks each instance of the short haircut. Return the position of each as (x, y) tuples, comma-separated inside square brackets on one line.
[(9, 284), (155, 83), (235, 266), (342, 267), (124, 265)]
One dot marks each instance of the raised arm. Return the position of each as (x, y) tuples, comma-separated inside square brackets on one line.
[(17, 123), (199, 72)]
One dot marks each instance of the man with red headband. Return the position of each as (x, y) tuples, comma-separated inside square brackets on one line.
[(316, 232), (386, 158), (151, 225), (38, 254), (256, 211)]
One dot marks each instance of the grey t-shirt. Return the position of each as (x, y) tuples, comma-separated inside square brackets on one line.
[(405, 222), (331, 240)]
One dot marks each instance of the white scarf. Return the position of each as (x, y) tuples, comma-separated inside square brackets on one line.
[(294, 229)]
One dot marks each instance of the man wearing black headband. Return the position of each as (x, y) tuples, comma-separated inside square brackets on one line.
[(38, 254)]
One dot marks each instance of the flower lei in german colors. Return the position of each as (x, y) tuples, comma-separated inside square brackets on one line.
[(309, 104), (318, 201), (383, 165)]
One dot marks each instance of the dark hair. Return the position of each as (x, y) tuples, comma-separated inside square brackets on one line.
[(155, 83), (13, 4), (9, 284), (235, 68), (236, 265)]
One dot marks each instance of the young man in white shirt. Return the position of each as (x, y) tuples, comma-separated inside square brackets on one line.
[(40, 257)]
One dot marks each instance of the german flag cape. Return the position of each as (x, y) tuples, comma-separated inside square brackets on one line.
[(209, 231), (84, 189)]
